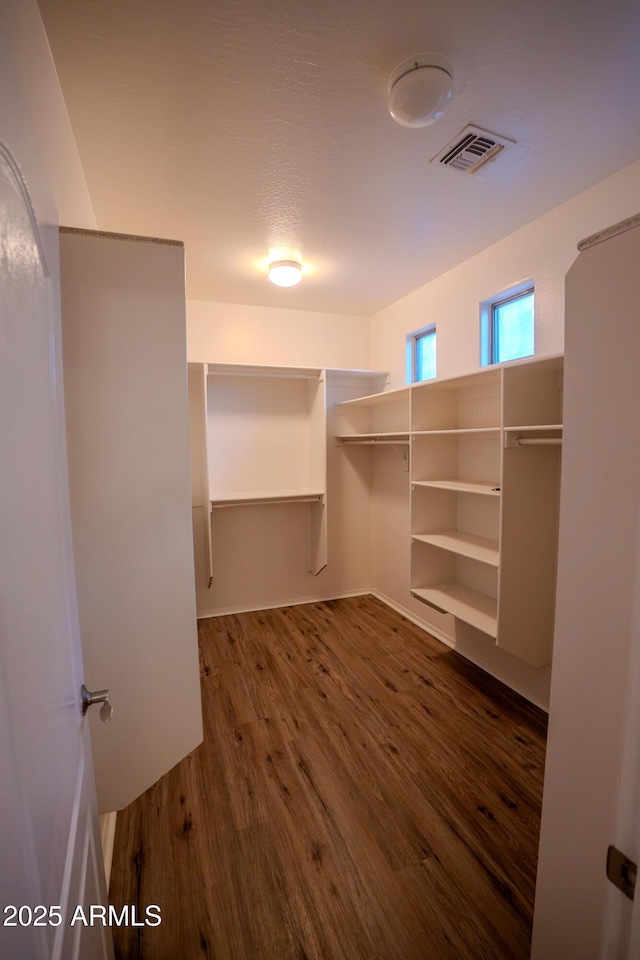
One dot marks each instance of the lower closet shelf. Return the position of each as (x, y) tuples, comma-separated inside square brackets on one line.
[(474, 608)]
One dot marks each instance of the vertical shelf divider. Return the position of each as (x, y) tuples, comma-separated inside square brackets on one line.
[(317, 512), (208, 511)]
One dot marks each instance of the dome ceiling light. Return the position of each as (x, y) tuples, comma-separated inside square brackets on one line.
[(420, 90), (285, 273)]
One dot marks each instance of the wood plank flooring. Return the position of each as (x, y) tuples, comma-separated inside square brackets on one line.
[(362, 793)]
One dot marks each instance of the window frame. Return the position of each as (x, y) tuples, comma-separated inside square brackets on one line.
[(413, 339), (488, 340)]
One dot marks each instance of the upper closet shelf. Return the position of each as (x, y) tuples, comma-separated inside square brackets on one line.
[(291, 373), (371, 375), (282, 373), (248, 497), (374, 400)]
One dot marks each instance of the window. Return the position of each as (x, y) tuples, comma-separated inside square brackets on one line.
[(421, 355), (507, 325)]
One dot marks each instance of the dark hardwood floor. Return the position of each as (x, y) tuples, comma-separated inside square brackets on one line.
[(362, 793)]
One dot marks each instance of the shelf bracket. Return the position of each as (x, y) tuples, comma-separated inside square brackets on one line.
[(404, 453), (316, 537), (428, 603)]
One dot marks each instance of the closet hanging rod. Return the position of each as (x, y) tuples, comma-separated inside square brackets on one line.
[(372, 438), (539, 441), (260, 501), (363, 443)]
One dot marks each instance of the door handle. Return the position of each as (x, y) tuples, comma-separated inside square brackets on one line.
[(98, 696)]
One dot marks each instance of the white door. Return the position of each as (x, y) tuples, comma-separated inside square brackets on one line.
[(592, 777), (127, 419), (50, 859)]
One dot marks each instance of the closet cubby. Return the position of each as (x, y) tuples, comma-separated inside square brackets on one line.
[(457, 462), (265, 435), (460, 523), (532, 395), (375, 419), (465, 404), (455, 584)]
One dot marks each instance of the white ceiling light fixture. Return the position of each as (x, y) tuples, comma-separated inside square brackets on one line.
[(420, 90), (285, 273)]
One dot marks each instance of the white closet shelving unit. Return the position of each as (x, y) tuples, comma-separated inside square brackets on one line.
[(455, 499), (259, 437), (485, 471)]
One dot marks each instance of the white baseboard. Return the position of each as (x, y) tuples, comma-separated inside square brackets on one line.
[(284, 603), (107, 840), (524, 691)]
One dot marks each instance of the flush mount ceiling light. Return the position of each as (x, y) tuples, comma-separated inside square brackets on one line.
[(420, 90), (285, 273)]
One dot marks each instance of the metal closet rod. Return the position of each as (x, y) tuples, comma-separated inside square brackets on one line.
[(539, 441), (354, 442), (261, 501)]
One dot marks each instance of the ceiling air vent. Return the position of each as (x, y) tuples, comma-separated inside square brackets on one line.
[(470, 149)]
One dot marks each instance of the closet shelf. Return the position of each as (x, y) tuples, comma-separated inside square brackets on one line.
[(373, 438), (376, 399), (248, 497), (463, 544), (338, 372), (474, 608), (485, 487)]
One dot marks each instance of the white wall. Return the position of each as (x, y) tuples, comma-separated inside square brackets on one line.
[(235, 333), (544, 250), (34, 123)]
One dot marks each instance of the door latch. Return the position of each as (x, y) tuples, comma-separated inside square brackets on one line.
[(98, 696), (621, 871)]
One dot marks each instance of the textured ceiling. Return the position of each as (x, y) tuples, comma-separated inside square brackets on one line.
[(242, 126)]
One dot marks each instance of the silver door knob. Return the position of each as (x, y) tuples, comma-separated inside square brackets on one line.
[(98, 696)]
